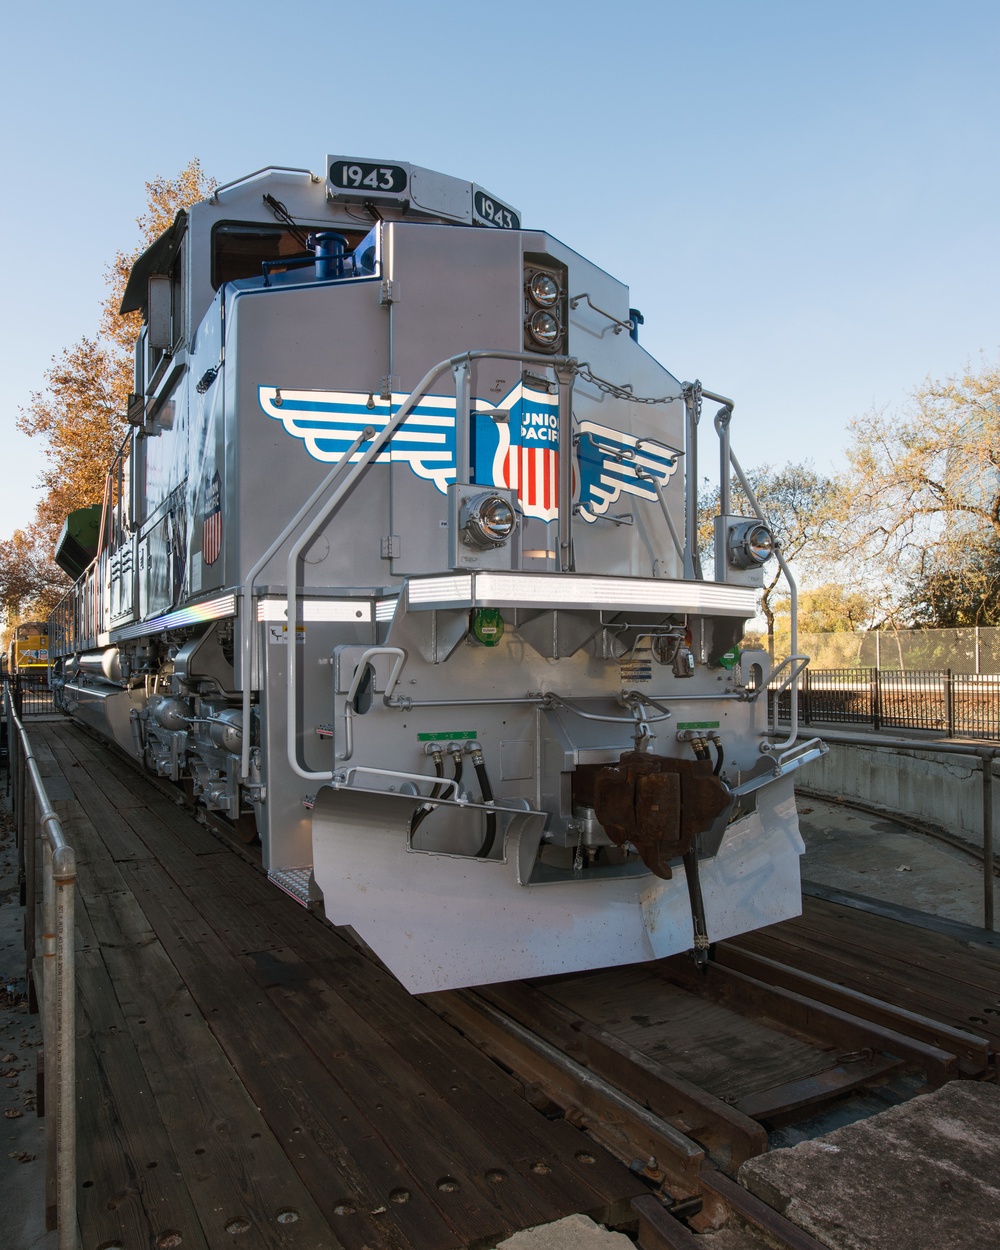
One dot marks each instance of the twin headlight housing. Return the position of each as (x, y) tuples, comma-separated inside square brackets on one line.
[(544, 305)]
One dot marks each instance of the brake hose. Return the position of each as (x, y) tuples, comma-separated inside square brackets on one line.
[(701, 943), (423, 812), (487, 793), (692, 871)]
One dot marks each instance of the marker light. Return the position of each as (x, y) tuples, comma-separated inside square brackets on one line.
[(544, 329), (487, 521), (543, 289), (751, 544)]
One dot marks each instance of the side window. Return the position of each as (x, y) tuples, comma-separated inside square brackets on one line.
[(165, 328), (240, 248), (238, 251)]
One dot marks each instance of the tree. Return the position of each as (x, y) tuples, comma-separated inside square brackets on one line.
[(950, 598), (80, 412), (31, 584), (833, 624), (920, 504), (799, 506), (165, 197)]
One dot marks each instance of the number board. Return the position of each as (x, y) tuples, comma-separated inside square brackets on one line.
[(351, 179), (487, 210)]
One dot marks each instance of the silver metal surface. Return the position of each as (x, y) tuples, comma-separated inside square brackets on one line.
[(294, 881)]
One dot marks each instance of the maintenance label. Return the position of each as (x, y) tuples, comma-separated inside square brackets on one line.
[(279, 634), (456, 734), (699, 724), (636, 670)]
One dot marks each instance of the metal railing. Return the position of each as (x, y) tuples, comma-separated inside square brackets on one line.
[(51, 961), (31, 696), (957, 705)]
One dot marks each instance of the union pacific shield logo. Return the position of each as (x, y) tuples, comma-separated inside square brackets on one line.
[(521, 452), (515, 444)]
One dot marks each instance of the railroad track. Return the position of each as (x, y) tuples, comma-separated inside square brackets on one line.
[(684, 1076)]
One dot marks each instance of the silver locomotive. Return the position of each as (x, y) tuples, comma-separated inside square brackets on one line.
[(398, 572)]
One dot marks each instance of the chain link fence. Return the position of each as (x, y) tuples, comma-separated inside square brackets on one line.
[(972, 650)]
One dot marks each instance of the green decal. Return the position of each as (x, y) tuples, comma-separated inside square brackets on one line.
[(699, 724), (448, 737), (729, 659), (487, 626)]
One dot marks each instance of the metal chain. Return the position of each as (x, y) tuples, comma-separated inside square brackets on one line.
[(619, 392)]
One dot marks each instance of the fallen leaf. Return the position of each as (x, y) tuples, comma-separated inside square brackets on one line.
[(13, 1114)]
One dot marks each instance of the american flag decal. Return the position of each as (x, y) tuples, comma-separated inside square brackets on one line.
[(211, 528)]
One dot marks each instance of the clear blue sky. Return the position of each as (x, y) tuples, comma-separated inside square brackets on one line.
[(801, 195)]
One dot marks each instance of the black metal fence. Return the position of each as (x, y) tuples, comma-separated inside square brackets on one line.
[(962, 705), (31, 696)]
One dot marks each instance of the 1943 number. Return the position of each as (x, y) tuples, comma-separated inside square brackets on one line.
[(359, 175), (495, 214)]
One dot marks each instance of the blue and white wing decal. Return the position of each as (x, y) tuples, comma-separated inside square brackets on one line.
[(613, 464), (328, 422), (522, 455)]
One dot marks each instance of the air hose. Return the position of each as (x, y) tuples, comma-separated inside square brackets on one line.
[(692, 871), (487, 792), (486, 789), (423, 812), (701, 942)]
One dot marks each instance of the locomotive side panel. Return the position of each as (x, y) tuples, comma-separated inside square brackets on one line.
[(292, 355)]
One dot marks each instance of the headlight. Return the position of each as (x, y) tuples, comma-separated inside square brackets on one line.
[(544, 289), (544, 329), (487, 521), (751, 544)]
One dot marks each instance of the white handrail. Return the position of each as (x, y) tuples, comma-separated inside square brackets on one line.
[(249, 631), (331, 505)]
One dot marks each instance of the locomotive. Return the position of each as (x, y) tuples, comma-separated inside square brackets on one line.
[(398, 572), (28, 652)]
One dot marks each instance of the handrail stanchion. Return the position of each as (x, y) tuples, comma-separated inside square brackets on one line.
[(15, 746), (48, 1006), (36, 819), (26, 835), (986, 760), (64, 875)]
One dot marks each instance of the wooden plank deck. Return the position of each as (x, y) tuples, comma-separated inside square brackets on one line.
[(245, 1072)]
